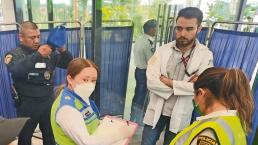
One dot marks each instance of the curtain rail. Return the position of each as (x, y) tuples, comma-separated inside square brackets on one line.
[(12, 23), (227, 22), (113, 21)]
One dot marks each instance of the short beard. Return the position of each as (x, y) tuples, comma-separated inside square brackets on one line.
[(183, 42)]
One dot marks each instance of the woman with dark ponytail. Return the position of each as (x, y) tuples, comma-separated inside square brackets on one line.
[(225, 100)]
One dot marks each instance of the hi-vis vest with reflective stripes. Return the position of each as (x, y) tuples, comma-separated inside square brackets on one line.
[(228, 131), (88, 112)]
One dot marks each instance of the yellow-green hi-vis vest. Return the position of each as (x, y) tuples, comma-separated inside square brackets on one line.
[(228, 130), (89, 113)]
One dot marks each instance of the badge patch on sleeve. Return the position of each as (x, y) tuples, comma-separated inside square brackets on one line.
[(206, 140), (8, 58)]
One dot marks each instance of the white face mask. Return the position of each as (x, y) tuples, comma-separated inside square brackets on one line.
[(84, 90)]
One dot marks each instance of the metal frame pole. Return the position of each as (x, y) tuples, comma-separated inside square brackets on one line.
[(96, 41), (226, 22)]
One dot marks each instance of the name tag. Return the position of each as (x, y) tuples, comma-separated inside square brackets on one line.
[(87, 112), (40, 65)]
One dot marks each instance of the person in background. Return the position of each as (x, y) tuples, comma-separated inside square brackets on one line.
[(224, 98), (143, 50), (32, 68), (171, 72), (74, 117)]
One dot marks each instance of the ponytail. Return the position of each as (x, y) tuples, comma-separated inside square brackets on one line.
[(58, 90), (237, 95)]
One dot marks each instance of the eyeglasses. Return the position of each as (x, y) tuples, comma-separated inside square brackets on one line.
[(188, 29)]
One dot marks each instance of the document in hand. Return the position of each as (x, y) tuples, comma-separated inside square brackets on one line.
[(115, 131), (10, 128)]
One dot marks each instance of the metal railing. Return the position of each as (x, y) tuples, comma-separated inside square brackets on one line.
[(226, 22), (12, 23)]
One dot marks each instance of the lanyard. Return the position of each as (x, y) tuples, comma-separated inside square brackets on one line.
[(185, 60), (79, 98), (152, 47), (91, 104)]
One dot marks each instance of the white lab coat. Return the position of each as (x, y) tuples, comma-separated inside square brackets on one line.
[(201, 59)]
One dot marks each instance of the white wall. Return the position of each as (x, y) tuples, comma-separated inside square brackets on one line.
[(8, 14)]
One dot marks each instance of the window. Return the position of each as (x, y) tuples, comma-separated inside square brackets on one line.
[(63, 10), (251, 11), (21, 10), (1, 13), (6, 15), (220, 10), (39, 12), (72, 10), (250, 14)]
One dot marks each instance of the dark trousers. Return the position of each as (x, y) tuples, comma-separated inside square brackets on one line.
[(38, 110), (139, 98), (150, 136)]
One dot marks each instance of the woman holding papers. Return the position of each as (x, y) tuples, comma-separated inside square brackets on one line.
[(74, 117)]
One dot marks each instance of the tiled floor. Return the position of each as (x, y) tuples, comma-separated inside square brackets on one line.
[(36, 139), (34, 142), (136, 140)]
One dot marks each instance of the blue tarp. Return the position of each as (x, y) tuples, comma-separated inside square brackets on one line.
[(8, 41), (115, 58)]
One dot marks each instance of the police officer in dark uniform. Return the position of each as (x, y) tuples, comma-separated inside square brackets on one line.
[(32, 67)]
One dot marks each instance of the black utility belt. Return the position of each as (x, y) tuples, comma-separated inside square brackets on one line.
[(40, 83), (39, 76), (34, 90), (142, 69), (18, 100)]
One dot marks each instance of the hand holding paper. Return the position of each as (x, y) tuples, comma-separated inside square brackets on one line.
[(115, 131)]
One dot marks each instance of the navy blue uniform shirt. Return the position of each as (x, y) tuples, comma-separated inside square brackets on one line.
[(32, 74)]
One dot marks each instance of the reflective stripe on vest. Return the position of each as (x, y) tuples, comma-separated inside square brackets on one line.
[(60, 136), (228, 130)]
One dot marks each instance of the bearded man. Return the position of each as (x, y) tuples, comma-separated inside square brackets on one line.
[(171, 72)]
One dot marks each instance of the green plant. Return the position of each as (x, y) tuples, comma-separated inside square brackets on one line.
[(220, 11)]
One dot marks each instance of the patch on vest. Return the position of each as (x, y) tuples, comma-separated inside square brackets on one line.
[(67, 98), (206, 140), (87, 112), (47, 75), (8, 58)]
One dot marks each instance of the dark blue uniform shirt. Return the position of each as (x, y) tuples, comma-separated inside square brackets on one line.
[(32, 74)]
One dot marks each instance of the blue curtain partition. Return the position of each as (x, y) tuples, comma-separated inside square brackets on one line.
[(8, 41), (233, 49)]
